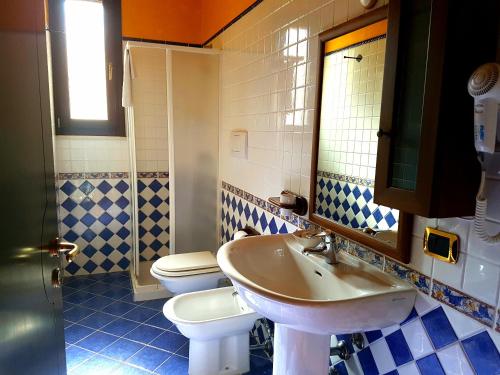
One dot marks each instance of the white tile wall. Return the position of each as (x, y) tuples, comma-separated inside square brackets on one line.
[(269, 87), (263, 83), (91, 154), (350, 113), (150, 109)]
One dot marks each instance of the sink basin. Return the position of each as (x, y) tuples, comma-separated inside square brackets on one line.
[(308, 299)]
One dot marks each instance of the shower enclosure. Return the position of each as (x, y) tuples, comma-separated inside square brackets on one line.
[(172, 125)]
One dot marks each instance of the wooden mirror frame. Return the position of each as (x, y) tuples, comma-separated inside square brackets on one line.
[(402, 249)]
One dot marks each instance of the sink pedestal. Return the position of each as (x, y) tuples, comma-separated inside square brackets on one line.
[(300, 353)]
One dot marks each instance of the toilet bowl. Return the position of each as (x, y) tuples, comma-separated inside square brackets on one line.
[(217, 322), (183, 273)]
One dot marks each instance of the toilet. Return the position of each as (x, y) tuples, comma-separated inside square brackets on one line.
[(183, 273), (217, 323)]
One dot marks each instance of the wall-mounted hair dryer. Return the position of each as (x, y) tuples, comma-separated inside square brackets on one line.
[(484, 87)]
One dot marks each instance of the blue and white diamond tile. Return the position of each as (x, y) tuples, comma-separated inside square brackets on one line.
[(237, 212), (154, 207), (95, 214), (352, 205), (435, 340)]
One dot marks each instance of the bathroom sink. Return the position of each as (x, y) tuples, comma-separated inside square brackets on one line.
[(308, 299)]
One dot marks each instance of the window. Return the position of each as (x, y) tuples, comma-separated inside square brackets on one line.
[(87, 66)]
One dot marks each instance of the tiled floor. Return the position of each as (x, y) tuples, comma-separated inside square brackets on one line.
[(107, 332)]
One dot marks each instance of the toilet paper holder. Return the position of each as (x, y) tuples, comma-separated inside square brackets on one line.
[(290, 201)]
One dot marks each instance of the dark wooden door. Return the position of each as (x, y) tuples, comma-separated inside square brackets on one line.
[(31, 328)]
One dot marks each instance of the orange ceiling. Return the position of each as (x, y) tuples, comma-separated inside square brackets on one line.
[(186, 21)]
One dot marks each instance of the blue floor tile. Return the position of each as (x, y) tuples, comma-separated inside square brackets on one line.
[(341, 369), (367, 362), (149, 358), (75, 356), (76, 332), (169, 341), (438, 328), (97, 320), (76, 313), (175, 365), (129, 298), (140, 314), (97, 302), (399, 348), (372, 336), (97, 341), (430, 365), (119, 308), (78, 297), (120, 327), (144, 334), (116, 292), (96, 365), (122, 349), (160, 321), (482, 354), (97, 288), (184, 350), (129, 370), (78, 282), (155, 304)]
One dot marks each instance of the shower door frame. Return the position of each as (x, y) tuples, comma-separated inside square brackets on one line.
[(171, 158)]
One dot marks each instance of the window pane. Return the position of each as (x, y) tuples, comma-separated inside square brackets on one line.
[(86, 59)]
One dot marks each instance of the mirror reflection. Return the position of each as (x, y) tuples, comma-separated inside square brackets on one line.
[(353, 67)]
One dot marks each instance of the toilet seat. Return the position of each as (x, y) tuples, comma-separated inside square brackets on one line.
[(188, 264), (181, 273)]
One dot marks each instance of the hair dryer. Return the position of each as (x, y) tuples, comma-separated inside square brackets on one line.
[(484, 87)]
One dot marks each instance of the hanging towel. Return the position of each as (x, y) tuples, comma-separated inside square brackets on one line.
[(128, 76)]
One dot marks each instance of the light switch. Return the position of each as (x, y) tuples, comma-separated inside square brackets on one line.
[(239, 144)]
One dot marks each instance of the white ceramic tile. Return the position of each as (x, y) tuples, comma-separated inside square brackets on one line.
[(477, 247), (481, 279), (462, 325), (448, 273), (424, 304), (382, 356), (417, 339), (419, 224), (409, 369), (454, 361), (388, 330), (419, 261)]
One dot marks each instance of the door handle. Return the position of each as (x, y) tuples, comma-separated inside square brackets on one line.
[(56, 277), (69, 249)]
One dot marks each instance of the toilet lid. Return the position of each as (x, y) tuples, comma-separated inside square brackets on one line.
[(200, 260)]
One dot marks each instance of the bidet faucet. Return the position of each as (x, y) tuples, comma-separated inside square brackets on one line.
[(327, 247)]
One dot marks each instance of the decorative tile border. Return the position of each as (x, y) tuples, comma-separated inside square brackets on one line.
[(459, 301), (346, 178), (421, 281), (464, 303), (152, 174), (91, 175)]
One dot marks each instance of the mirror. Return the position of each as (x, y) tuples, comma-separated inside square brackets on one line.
[(346, 137)]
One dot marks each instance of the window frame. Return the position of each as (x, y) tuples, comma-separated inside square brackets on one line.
[(65, 125)]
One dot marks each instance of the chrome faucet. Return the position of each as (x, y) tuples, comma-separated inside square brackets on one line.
[(327, 247)]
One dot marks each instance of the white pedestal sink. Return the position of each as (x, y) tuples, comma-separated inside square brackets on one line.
[(310, 300)]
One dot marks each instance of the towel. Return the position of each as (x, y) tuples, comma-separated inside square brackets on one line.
[(128, 76)]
